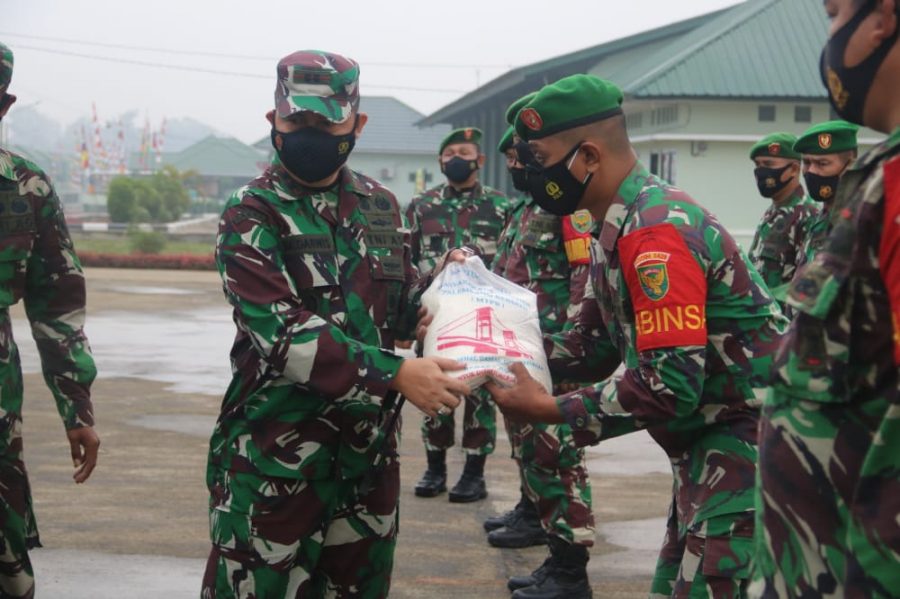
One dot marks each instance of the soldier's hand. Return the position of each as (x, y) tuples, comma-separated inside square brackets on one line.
[(84, 444), (526, 400), (424, 383), (422, 327)]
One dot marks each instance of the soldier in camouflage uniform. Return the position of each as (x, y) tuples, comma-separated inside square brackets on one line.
[(783, 232), (315, 261), (548, 255), (827, 150), (829, 469), (460, 212), (679, 304), (38, 265)]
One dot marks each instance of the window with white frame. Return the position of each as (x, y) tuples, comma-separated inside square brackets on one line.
[(662, 164)]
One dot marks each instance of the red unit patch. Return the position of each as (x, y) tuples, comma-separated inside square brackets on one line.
[(667, 288), (889, 251)]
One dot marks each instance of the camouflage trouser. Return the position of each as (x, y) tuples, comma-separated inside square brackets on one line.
[(285, 538), (18, 528), (710, 562), (811, 455), (479, 426), (555, 479)]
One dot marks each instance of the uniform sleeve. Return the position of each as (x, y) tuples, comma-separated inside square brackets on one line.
[(286, 332), (582, 351), (415, 230), (889, 249), (55, 306), (668, 294)]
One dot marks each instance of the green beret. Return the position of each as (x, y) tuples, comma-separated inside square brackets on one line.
[(516, 106), (6, 67), (830, 137), (570, 102), (506, 142), (466, 135), (776, 145)]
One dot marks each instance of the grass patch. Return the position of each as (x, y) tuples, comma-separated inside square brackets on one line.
[(121, 245)]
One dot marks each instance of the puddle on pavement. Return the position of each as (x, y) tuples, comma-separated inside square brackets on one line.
[(186, 350)]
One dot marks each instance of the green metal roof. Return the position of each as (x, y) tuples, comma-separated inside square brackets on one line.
[(758, 49), (219, 157)]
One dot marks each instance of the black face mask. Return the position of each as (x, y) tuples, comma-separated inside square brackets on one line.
[(848, 87), (458, 169), (519, 178), (312, 154), (768, 180), (821, 189), (554, 188)]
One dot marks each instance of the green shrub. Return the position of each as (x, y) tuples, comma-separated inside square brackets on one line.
[(146, 242)]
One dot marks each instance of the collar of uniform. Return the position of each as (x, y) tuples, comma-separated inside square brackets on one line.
[(473, 192), (797, 196), (7, 170), (629, 190), (877, 152), (347, 179)]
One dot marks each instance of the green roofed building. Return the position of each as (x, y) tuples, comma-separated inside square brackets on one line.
[(698, 94)]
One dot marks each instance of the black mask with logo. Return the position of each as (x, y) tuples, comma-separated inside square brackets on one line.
[(848, 87), (554, 188), (311, 154), (768, 180), (821, 188), (458, 169)]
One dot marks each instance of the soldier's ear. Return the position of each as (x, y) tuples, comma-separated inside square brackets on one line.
[(481, 159), (591, 154), (270, 116), (361, 119), (887, 21)]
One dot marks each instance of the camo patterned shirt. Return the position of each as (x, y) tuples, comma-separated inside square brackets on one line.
[(696, 330), (442, 218), (781, 237), (321, 284), (38, 265)]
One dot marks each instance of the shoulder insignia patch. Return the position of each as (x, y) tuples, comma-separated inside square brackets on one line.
[(667, 288)]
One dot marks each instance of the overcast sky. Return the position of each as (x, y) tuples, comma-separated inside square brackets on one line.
[(70, 53)]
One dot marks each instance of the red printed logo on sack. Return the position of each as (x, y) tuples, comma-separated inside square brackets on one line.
[(667, 288)]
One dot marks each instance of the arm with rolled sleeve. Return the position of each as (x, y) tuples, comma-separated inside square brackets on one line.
[(289, 335), (55, 306)]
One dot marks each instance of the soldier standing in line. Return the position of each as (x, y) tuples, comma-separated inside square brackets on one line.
[(827, 149), (784, 229), (680, 305), (460, 212), (38, 265), (548, 255), (829, 467), (315, 260)]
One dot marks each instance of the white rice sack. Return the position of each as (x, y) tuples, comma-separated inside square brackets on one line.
[(485, 322)]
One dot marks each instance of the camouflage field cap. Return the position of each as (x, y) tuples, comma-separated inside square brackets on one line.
[(830, 137), (516, 106), (463, 135), (775, 145), (320, 82), (6, 67), (506, 142), (571, 102)]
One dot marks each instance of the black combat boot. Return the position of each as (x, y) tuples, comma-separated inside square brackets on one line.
[(434, 481), (524, 530), (495, 522), (520, 582), (471, 484), (565, 576)]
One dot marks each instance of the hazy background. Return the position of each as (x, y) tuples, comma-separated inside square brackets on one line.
[(209, 66)]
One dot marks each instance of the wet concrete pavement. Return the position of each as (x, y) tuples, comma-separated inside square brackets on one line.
[(138, 527)]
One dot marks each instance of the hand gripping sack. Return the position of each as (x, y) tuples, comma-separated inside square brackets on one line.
[(485, 322)]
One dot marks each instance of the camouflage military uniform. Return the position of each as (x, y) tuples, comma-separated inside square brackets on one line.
[(37, 264), (830, 436), (696, 328), (320, 282), (441, 219), (781, 238), (554, 475), (817, 233)]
